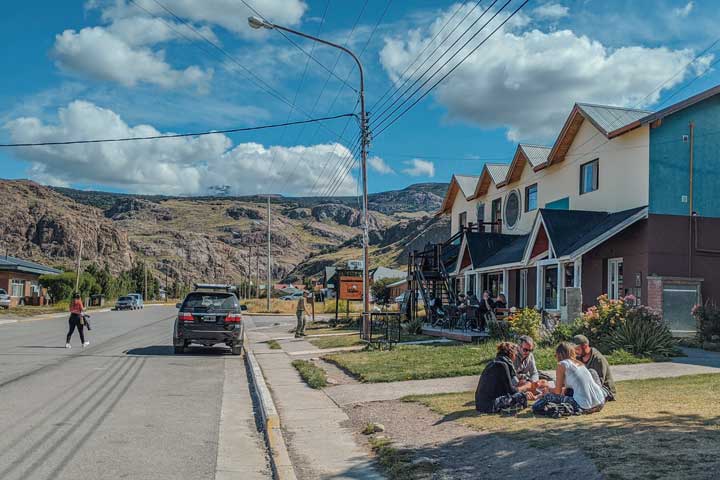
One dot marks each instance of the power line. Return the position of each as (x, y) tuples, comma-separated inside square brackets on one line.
[(457, 65), (178, 135)]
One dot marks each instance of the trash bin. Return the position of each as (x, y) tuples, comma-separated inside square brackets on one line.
[(97, 300)]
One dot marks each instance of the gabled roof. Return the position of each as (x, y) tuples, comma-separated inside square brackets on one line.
[(463, 184), (534, 155), (14, 264), (491, 173), (574, 232), (606, 119), (488, 249)]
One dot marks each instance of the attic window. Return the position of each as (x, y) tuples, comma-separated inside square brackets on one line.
[(512, 209)]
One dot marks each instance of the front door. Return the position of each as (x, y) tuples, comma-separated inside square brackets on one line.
[(615, 278)]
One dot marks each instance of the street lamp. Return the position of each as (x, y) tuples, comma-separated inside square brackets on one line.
[(258, 23)]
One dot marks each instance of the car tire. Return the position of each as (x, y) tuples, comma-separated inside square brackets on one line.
[(179, 349), (236, 348)]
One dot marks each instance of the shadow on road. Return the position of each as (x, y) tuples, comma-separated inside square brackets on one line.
[(167, 350)]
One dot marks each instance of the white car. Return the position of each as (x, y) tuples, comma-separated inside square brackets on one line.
[(4, 299), (292, 296)]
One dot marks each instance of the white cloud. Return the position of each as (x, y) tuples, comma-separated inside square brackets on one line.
[(527, 80), (102, 54), (419, 168), (379, 165), (171, 166), (683, 12), (551, 11)]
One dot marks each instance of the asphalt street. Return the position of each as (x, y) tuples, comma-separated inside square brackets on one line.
[(125, 406)]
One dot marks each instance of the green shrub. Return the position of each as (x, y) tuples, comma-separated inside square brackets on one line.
[(642, 333), (526, 322), (499, 329), (414, 327), (598, 322), (563, 332), (707, 317)]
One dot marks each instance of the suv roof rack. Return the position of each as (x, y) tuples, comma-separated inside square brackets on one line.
[(216, 287)]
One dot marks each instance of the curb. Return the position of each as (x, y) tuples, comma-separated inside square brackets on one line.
[(279, 457)]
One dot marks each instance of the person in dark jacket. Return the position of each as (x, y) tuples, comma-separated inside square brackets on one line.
[(497, 388)]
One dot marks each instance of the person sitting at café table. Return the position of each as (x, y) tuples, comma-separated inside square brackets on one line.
[(594, 360), (501, 301), (571, 375), (524, 363), (487, 306), (498, 387)]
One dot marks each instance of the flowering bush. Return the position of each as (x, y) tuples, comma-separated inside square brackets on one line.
[(598, 322), (708, 320), (525, 322)]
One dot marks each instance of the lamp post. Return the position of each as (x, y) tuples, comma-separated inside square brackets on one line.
[(258, 23)]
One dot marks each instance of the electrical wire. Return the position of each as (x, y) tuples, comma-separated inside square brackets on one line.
[(179, 135)]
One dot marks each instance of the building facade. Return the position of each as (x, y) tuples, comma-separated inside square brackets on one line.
[(20, 278), (623, 204)]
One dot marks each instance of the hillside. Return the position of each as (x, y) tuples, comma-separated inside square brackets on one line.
[(210, 238)]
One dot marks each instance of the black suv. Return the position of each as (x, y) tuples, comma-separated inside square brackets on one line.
[(209, 315)]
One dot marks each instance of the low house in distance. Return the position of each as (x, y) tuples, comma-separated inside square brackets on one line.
[(20, 279)]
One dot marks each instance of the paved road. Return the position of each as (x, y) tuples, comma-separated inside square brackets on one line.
[(125, 407)]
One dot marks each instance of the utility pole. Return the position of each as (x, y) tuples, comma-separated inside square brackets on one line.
[(77, 274), (257, 272), (257, 23), (267, 286), (144, 281), (248, 286)]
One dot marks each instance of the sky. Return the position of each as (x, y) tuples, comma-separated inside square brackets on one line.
[(96, 69)]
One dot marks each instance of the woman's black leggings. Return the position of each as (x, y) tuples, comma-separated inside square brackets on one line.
[(74, 322)]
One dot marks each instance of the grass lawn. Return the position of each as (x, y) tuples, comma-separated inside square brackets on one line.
[(353, 340), (659, 428), (313, 375), (417, 362)]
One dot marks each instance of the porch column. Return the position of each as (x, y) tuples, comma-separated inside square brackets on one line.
[(578, 272), (538, 286), (505, 284)]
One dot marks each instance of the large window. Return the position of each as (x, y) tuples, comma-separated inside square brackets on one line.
[(512, 209), (17, 288), (493, 283), (462, 220), (615, 278), (550, 295), (496, 215), (522, 288), (589, 176), (531, 197), (481, 215)]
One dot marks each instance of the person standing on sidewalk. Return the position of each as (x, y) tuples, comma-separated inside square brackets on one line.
[(76, 320), (300, 311)]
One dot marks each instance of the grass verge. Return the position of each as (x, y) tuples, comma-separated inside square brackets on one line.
[(273, 345), (313, 375), (354, 340), (659, 428), (418, 362), (398, 464)]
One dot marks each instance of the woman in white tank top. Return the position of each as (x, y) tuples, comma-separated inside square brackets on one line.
[(573, 374)]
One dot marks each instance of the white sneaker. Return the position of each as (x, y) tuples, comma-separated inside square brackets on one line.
[(67, 345), (86, 344)]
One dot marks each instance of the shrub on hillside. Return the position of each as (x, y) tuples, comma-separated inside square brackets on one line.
[(642, 333), (525, 322)]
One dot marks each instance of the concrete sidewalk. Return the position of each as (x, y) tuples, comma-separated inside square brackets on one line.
[(696, 362), (319, 445)]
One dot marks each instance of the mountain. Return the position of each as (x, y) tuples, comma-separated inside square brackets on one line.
[(211, 238)]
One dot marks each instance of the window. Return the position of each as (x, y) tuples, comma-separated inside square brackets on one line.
[(481, 215), (531, 198), (462, 220), (493, 284), (17, 288), (551, 288), (677, 303), (512, 209), (589, 176), (615, 278), (496, 214), (471, 284), (522, 288)]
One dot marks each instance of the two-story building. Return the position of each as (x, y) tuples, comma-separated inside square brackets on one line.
[(622, 203)]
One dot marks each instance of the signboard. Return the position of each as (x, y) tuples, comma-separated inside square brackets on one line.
[(351, 288)]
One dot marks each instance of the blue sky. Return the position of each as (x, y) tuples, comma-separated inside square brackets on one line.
[(108, 68)]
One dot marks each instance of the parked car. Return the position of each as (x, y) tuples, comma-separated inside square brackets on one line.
[(125, 303), (209, 315), (292, 296), (138, 299), (4, 299)]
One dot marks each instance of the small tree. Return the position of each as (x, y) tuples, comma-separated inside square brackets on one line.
[(380, 290)]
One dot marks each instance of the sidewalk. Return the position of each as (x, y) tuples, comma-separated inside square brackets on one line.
[(320, 446), (697, 362)]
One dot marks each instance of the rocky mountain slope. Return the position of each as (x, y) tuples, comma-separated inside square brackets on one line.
[(211, 238)]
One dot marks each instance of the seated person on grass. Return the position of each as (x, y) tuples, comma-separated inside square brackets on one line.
[(497, 389), (525, 361), (574, 385), (594, 360)]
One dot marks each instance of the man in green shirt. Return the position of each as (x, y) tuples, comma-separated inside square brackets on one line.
[(300, 311), (594, 360)]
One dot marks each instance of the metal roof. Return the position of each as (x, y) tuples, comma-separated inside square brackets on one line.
[(14, 264), (497, 171), (608, 118), (467, 184), (536, 154)]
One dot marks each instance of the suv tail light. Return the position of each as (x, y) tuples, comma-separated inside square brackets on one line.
[(186, 317), (233, 318)]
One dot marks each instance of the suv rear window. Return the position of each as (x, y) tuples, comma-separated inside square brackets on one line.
[(210, 301), (124, 299), (2, 291)]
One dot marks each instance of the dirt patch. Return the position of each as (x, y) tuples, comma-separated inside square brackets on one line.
[(462, 454)]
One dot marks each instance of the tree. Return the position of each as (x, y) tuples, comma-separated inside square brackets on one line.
[(380, 290)]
